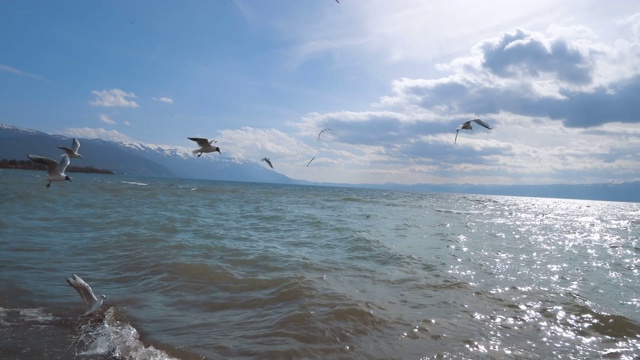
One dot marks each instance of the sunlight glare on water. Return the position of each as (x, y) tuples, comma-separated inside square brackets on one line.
[(203, 269)]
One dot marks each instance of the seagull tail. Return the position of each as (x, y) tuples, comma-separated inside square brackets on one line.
[(195, 152)]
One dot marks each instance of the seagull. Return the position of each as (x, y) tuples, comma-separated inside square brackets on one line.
[(310, 161), (86, 294), (205, 146), (467, 126), (72, 152), (323, 130), (267, 161), (55, 171)]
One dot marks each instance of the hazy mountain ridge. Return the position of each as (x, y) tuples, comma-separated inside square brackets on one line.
[(140, 159), (16, 143), (132, 158)]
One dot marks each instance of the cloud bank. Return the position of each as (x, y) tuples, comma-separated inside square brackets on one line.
[(113, 98), (561, 112)]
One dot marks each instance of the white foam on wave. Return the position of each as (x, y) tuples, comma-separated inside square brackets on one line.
[(25, 315), (37, 314), (3, 315), (116, 339), (134, 183)]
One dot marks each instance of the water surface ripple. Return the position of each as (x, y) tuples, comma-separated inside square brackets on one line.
[(220, 270)]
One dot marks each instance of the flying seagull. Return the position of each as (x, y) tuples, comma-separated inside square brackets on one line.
[(310, 161), (467, 126), (323, 130), (72, 152), (55, 171), (205, 146), (86, 294), (267, 161)]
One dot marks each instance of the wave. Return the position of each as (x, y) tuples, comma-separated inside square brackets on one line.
[(96, 336), (115, 339), (134, 183)]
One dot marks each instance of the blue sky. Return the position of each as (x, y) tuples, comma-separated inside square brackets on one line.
[(557, 80)]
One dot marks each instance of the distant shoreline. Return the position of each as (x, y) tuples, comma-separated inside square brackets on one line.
[(30, 165)]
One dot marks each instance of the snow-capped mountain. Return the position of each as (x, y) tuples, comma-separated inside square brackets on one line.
[(134, 158)]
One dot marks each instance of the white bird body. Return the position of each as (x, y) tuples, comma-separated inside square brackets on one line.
[(205, 146), (467, 126), (86, 294), (268, 161), (72, 152), (55, 170)]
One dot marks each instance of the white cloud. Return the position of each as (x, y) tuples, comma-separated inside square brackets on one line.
[(98, 133), (12, 70), (579, 81), (253, 143), (164, 100), (633, 21), (376, 34), (113, 98), (563, 110), (9, 69), (105, 119)]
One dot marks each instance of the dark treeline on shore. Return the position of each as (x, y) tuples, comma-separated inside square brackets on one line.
[(30, 165)]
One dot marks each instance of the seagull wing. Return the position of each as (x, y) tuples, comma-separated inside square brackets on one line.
[(52, 165), (456, 139), (202, 142), (268, 162), (481, 123), (310, 161), (63, 164), (323, 130), (76, 145), (83, 289), (68, 151)]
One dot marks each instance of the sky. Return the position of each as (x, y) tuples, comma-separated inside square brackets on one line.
[(558, 81)]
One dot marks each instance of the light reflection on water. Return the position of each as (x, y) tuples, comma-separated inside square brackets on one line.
[(266, 271), (579, 254)]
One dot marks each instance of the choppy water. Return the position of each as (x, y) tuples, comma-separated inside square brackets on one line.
[(217, 270)]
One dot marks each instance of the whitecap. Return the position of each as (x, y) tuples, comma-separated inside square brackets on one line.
[(115, 339), (134, 183), (37, 314)]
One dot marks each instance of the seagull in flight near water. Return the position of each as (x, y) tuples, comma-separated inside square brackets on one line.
[(72, 152), (467, 126), (55, 170), (205, 146), (86, 294), (267, 161)]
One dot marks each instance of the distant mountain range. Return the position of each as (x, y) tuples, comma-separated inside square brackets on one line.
[(138, 159)]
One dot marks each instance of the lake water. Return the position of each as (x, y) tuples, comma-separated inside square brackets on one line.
[(198, 269)]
